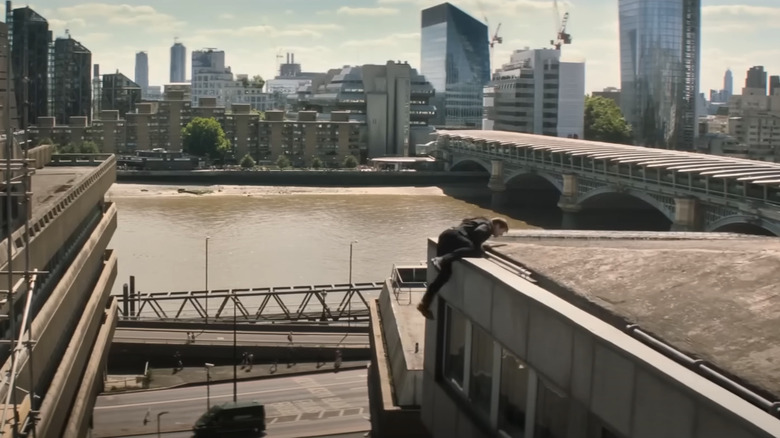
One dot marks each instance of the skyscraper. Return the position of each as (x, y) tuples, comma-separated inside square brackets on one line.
[(31, 31), (71, 80), (456, 60), (142, 72), (774, 85), (728, 85), (659, 68), (756, 78), (178, 63)]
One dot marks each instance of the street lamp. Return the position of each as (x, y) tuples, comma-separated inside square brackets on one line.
[(235, 378), (158, 422), (349, 303), (208, 381), (207, 279)]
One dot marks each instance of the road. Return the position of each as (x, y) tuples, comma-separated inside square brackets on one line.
[(220, 337), (300, 406)]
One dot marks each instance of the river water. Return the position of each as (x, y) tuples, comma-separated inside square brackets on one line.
[(275, 236)]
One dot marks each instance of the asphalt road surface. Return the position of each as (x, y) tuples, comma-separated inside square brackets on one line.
[(300, 406)]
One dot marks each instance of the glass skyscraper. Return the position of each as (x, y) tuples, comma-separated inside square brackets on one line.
[(659, 67), (456, 61)]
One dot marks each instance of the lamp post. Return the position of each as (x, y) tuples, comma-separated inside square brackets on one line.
[(208, 388), (158, 422), (207, 279), (235, 378), (349, 303)]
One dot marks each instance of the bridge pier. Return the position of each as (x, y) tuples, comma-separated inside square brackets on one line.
[(686, 215), (496, 184), (568, 202)]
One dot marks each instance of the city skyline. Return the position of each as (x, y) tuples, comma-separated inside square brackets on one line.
[(353, 32)]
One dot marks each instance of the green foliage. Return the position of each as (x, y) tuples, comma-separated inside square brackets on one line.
[(257, 81), (247, 162), (350, 162), (283, 162), (85, 147), (204, 137), (46, 140), (316, 163), (604, 121)]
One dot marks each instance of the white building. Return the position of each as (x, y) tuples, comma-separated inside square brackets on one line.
[(536, 93), (211, 78)]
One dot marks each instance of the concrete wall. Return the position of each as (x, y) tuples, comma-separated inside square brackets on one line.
[(620, 383)]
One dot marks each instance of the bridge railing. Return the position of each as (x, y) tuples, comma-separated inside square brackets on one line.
[(717, 190), (330, 302)]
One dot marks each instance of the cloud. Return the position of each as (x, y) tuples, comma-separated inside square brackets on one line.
[(366, 12), (122, 15), (390, 40), (314, 30), (226, 16), (741, 10)]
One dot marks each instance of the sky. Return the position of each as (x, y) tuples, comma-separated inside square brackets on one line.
[(325, 34)]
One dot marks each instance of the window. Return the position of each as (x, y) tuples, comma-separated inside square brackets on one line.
[(512, 395), (481, 370), (455, 346), (552, 411)]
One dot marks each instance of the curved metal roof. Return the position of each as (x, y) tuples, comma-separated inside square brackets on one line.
[(739, 169)]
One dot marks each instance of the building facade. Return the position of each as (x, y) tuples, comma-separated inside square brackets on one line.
[(30, 31), (756, 78), (774, 85), (72, 82), (119, 93), (5, 52), (178, 63), (659, 68), (142, 72), (455, 58)]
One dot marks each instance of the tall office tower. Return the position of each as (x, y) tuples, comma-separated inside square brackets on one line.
[(774, 85), (178, 63), (30, 51), (659, 69), (142, 72), (756, 78), (72, 76), (119, 93), (728, 85), (4, 84), (455, 58)]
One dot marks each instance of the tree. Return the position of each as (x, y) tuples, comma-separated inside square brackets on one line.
[(84, 147), (258, 81), (46, 140), (316, 163), (204, 137), (247, 162), (604, 121), (350, 162), (283, 162)]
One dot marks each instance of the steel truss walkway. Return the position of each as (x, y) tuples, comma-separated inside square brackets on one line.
[(320, 302)]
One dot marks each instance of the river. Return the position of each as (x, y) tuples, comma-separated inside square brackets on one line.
[(275, 236)]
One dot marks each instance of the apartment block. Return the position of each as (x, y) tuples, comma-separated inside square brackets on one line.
[(72, 79), (754, 121)]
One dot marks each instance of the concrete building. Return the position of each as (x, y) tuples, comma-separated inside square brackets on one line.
[(212, 78), (119, 93), (393, 100), (754, 121), (4, 82), (72, 80), (524, 344), (756, 78), (774, 85), (455, 58), (178, 62), (659, 68), (728, 84), (142, 72), (611, 93), (154, 92), (29, 29), (54, 365), (537, 93)]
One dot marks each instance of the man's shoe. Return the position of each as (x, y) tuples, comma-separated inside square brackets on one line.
[(423, 308), (436, 262)]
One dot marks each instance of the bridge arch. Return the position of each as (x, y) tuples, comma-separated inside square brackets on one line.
[(745, 225), (667, 211), (516, 174), (469, 162)]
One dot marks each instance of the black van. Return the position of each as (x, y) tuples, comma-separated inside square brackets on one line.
[(231, 419)]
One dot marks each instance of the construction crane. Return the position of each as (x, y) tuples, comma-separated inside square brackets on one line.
[(561, 37), (493, 41)]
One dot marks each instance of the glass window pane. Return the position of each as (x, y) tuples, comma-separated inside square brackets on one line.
[(512, 395), (455, 348), (481, 375), (552, 406)]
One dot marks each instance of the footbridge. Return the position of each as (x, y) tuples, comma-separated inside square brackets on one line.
[(695, 192)]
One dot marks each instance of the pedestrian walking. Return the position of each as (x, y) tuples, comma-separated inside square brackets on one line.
[(177, 358), (243, 360), (464, 240), (250, 360)]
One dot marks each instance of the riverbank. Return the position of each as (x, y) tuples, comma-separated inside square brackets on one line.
[(130, 190), (303, 178)]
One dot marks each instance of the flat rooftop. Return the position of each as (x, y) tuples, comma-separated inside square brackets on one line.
[(49, 183), (713, 296)]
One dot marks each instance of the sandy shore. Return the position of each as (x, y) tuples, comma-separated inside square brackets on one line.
[(144, 190)]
